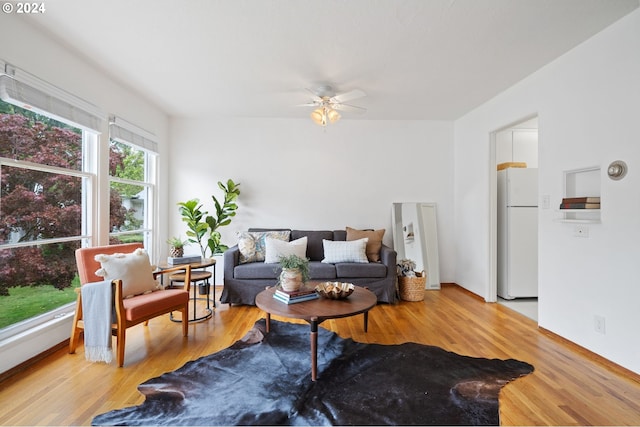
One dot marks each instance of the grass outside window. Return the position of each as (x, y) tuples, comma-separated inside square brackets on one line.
[(26, 302)]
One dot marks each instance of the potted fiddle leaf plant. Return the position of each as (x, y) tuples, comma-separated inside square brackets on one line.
[(202, 229), (225, 211), (192, 215), (295, 272)]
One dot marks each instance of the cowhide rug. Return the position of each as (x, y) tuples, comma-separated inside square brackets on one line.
[(265, 379)]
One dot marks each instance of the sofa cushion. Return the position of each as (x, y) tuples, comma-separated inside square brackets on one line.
[(256, 270), (373, 245), (358, 270), (277, 248), (322, 271), (252, 245), (260, 270), (315, 250), (339, 235), (354, 251)]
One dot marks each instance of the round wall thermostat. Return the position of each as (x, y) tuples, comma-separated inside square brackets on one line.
[(617, 170)]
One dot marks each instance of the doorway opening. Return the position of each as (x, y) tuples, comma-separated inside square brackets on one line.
[(514, 205)]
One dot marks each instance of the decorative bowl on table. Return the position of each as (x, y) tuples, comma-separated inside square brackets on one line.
[(335, 290)]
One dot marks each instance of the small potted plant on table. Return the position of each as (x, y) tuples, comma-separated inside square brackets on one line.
[(176, 247), (295, 272)]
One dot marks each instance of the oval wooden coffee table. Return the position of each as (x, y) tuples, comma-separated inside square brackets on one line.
[(317, 311)]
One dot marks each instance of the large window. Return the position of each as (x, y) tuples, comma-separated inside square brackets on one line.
[(131, 182), (41, 211)]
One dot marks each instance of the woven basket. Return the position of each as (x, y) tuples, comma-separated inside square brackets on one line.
[(412, 288)]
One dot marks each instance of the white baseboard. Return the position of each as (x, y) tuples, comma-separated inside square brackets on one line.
[(21, 347)]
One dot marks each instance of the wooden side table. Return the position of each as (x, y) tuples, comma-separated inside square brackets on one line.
[(196, 277)]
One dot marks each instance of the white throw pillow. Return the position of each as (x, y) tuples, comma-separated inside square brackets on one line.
[(345, 251), (134, 269), (278, 248)]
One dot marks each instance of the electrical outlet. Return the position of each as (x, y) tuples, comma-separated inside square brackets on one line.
[(581, 231), (598, 324)]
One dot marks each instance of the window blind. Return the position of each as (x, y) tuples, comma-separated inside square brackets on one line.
[(29, 92), (128, 133)]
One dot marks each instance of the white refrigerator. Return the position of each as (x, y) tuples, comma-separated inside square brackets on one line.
[(518, 233)]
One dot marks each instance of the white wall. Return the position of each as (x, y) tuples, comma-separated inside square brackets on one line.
[(588, 103), (294, 174), (38, 54)]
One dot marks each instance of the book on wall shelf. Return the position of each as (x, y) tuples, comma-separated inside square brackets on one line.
[(579, 205), (590, 202), (589, 199)]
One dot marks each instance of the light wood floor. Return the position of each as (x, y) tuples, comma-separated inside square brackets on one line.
[(569, 385)]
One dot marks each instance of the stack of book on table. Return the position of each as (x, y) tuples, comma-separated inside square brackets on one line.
[(292, 297), (183, 259), (580, 203)]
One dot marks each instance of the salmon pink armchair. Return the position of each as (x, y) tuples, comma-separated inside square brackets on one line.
[(133, 309)]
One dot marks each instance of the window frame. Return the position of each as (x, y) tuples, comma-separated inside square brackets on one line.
[(124, 132), (89, 180)]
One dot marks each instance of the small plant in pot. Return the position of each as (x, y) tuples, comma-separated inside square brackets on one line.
[(295, 272), (176, 247)]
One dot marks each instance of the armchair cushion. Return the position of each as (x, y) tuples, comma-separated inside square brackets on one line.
[(134, 269), (144, 306)]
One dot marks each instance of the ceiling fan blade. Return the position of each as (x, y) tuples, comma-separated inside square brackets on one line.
[(349, 108), (348, 96), (309, 104), (314, 96)]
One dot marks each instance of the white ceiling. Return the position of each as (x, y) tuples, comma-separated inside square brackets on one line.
[(415, 59)]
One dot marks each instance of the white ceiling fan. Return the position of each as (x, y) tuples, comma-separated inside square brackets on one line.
[(328, 103)]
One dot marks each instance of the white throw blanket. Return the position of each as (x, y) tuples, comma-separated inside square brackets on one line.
[(97, 306)]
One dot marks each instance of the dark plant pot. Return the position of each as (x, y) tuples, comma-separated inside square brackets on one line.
[(203, 288)]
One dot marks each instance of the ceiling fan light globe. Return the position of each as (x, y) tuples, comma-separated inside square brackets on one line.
[(319, 117), (333, 115)]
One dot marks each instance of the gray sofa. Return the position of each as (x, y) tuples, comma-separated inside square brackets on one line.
[(242, 282)]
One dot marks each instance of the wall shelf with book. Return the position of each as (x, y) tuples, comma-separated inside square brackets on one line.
[(581, 201)]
